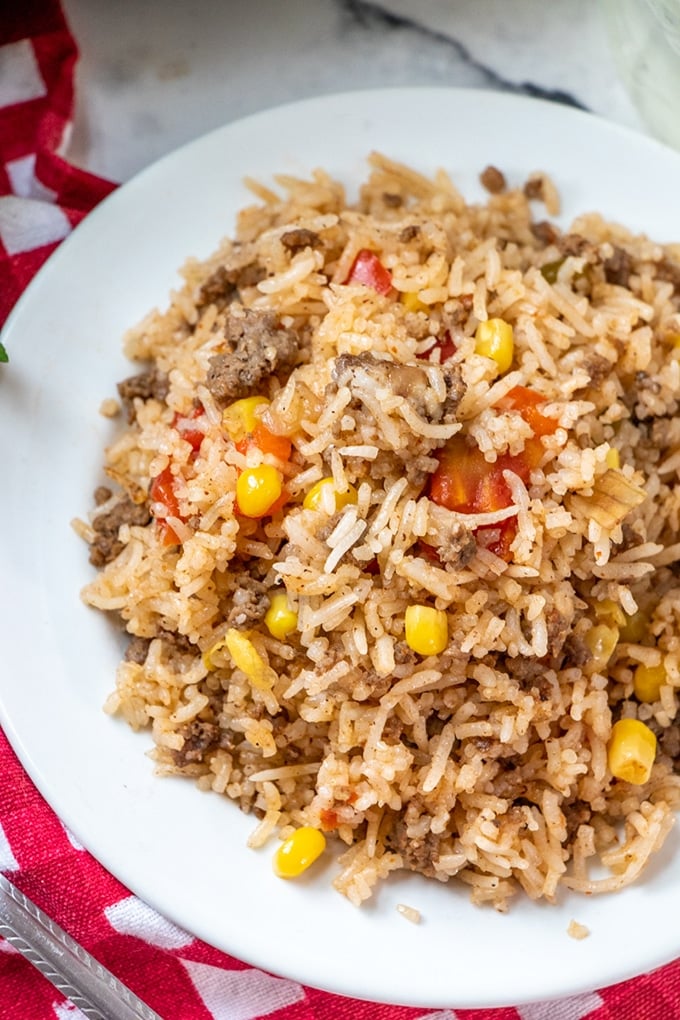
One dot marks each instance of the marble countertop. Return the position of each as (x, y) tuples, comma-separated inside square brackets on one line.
[(156, 73)]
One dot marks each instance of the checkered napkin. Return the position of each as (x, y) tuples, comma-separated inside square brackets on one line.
[(42, 198)]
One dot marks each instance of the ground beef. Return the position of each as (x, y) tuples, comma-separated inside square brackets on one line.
[(363, 372), (576, 814), (409, 233), (573, 244), (558, 628), (598, 368), (177, 642), (299, 238), (224, 284), (534, 188), (249, 602), (545, 232), (372, 686), (199, 738), (102, 494), (459, 549), (137, 650), (669, 740), (525, 670), (260, 347), (618, 267), (493, 180), (392, 729), (455, 391), (669, 270), (576, 651), (106, 545), (145, 386), (420, 854)]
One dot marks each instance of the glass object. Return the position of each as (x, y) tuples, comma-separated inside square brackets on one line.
[(645, 37)]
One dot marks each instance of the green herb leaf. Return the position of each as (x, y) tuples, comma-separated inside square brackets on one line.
[(4, 356)]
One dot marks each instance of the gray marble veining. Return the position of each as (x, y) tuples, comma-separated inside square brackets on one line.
[(156, 74)]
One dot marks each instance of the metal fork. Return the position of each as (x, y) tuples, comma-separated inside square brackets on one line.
[(59, 958)]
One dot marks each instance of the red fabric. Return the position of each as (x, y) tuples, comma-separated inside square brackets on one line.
[(41, 198)]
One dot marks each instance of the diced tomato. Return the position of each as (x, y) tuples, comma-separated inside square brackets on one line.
[(466, 482), (527, 402), (505, 532), (444, 345), (369, 270), (329, 819), (183, 424), (469, 484), (428, 552), (268, 442), (162, 490)]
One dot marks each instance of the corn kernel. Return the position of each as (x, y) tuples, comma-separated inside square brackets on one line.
[(316, 497), (427, 630), (280, 620), (246, 657), (647, 682), (298, 852), (241, 417), (495, 339), (631, 751), (601, 640), (609, 610), (257, 489), (613, 458), (635, 627), (412, 302)]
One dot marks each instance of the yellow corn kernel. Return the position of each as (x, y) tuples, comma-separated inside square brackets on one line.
[(412, 302), (316, 497), (495, 339), (631, 751), (246, 657), (427, 630), (280, 620), (299, 851), (635, 627), (257, 489), (613, 458), (609, 610), (210, 652), (241, 417), (601, 640), (647, 682)]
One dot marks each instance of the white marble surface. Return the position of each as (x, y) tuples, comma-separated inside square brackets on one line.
[(156, 73)]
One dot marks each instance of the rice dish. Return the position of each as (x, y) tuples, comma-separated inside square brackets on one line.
[(392, 529)]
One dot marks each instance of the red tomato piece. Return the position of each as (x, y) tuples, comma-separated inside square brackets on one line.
[(428, 552), (444, 345), (369, 270), (268, 442), (183, 423), (466, 482), (527, 402), (162, 490), (329, 819), (505, 532), (469, 484)]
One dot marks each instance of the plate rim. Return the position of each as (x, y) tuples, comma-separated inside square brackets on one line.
[(79, 238)]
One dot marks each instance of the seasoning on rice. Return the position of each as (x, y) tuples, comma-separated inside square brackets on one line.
[(395, 533)]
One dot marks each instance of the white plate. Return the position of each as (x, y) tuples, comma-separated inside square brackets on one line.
[(182, 851)]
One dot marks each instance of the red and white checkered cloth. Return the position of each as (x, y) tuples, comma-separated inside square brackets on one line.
[(42, 198)]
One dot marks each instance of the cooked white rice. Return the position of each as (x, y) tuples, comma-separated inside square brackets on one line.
[(487, 762)]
